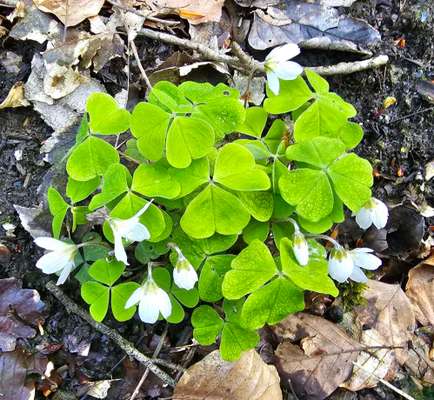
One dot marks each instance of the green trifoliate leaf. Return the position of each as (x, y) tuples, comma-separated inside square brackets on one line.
[(351, 134), (168, 96), (203, 92), (149, 124), (83, 130), (214, 210), (271, 303), (147, 251), (259, 150), (188, 298), (235, 340), (236, 169), (58, 209), (178, 312), (319, 152), (98, 296), (254, 123), (207, 325), (119, 296), (282, 210), (275, 134), (352, 179), (258, 204), (211, 277), (281, 230), (190, 178), (253, 267), (292, 95), (319, 84), (78, 191), (313, 276), (155, 180), (115, 183), (256, 230), (188, 138), (91, 158), (105, 115), (309, 190), (107, 272)]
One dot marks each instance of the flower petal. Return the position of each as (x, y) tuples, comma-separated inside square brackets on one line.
[(340, 270), (53, 262), (120, 252), (301, 251), (65, 273), (50, 243), (148, 310), (283, 53), (358, 275), (164, 303), (365, 260), (364, 218), (273, 82), (380, 214), (288, 70), (137, 232), (185, 278), (135, 297), (143, 209)]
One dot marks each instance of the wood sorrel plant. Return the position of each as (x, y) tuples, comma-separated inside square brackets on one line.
[(212, 207)]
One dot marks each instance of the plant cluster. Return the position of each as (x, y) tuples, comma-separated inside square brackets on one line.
[(214, 207)]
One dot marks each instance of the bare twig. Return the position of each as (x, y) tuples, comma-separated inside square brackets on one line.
[(124, 344), (139, 64), (411, 115), (145, 374)]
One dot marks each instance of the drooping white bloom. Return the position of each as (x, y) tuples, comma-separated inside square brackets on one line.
[(184, 274), (344, 264), (152, 301), (130, 229), (301, 248), (60, 257), (278, 67), (373, 212)]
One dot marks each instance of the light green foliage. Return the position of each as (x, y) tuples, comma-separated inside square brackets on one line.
[(224, 182)]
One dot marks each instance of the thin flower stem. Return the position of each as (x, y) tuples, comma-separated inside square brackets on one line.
[(294, 224), (325, 237)]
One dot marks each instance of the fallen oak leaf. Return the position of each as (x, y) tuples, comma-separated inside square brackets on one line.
[(420, 291), (215, 379), (70, 12)]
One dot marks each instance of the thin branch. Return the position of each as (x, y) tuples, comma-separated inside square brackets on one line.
[(124, 344), (139, 64)]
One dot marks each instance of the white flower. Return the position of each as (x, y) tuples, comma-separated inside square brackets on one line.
[(130, 229), (373, 212), (345, 264), (184, 274), (152, 301), (301, 248), (277, 65), (60, 257)]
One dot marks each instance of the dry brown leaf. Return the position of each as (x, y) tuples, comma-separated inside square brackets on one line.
[(15, 97), (322, 361), (386, 322), (214, 379), (195, 11), (420, 291), (70, 12)]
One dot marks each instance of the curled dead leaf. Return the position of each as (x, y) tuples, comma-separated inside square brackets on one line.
[(15, 97), (70, 12), (420, 291), (214, 379)]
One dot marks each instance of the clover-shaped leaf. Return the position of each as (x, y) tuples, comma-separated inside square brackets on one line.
[(254, 123), (78, 191), (105, 115), (58, 209)]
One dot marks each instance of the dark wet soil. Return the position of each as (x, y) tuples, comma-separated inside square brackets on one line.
[(398, 141)]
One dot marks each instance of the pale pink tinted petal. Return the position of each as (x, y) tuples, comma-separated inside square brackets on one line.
[(283, 53), (288, 70), (365, 260), (137, 232), (340, 270), (52, 262), (120, 252), (135, 297), (65, 273), (164, 303), (273, 82), (358, 275), (50, 243), (380, 214), (148, 310), (364, 218)]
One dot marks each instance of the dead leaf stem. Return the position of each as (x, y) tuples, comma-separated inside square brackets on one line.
[(139, 64), (124, 344)]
